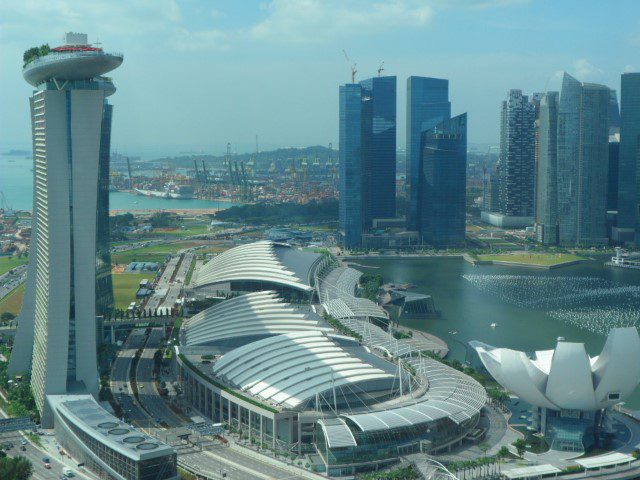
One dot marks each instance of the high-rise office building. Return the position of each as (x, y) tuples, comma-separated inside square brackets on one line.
[(71, 121), (612, 175), (427, 105), (628, 198), (351, 165), (444, 175), (547, 170), (367, 155), (583, 157), (516, 164)]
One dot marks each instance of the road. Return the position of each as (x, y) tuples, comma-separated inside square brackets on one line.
[(10, 281), (120, 386), (236, 465), (148, 394), (35, 456)]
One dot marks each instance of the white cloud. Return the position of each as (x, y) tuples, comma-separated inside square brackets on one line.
[(583, 69), (305, 21), (479, 4), (629, 68)]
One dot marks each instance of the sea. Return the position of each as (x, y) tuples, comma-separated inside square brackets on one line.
[(16, 185)]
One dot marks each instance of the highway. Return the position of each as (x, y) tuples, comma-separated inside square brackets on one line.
[(148, 394), (35, 456), (10, 281), (237, 466), (120, 386)]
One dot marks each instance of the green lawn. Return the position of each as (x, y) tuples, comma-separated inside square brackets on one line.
[(13, 302), (545, 259), (7, 263), (152, 253), (125, 286)]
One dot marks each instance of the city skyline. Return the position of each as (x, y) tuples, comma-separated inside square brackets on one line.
[(245, 41)]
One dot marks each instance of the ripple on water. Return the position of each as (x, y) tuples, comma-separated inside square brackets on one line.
[(590, 303)]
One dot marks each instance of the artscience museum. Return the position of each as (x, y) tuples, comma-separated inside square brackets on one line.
[(570, 392)]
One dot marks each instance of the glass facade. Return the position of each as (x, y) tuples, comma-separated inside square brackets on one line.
[(583, 153), (427, 105), (379, 147), (104, 286), (351, 168), (628, 201), (546, 192), (87, 449), (443, 178), (375, 447), (367, 155)]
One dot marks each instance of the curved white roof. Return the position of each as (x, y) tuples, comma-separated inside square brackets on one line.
[(567, 378), (253, 314), (451, 394), (263, 261), (291, 368), (337, 294)]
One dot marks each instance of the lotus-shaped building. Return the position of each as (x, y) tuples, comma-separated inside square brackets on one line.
[(568, 389)]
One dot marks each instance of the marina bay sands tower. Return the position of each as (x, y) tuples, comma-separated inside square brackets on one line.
[(69, 280)]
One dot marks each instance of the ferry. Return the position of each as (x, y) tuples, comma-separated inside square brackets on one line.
[(622, 260)]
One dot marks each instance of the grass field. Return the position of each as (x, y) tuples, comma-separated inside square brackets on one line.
[(7, 263), (544, 259), (152, 253), (13, 302), (125, 286)]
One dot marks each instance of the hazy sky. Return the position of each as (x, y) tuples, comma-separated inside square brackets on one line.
[(200, 73)]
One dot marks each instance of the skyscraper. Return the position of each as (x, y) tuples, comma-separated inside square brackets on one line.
[(379, 147), (444, 174), (351, 164), (628, 201), (516, 167), (583, 153), (547, 170), (71, 121), (367, 155), (427, 105)]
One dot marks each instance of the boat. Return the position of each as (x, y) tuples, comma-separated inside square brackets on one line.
[(494, 325)]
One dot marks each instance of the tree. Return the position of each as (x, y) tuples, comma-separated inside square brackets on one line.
[(18, 468), (520, 445), (7, 316), (503, 452)]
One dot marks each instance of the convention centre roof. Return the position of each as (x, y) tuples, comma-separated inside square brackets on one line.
[(254, 314), (337, 294), (262, 261), (451, 394), (291, 368)]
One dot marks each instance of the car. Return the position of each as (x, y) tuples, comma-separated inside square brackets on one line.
[(45, 460), (23, 448), (47, 466), (23, 442)]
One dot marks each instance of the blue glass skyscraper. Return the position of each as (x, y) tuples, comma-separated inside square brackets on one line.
[(427, 105), (350, 154), (443, 180), (379, 147), (367, 155), (628, 202)]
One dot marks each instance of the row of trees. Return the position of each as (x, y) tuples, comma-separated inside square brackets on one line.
[(282, 213), (17, 468)]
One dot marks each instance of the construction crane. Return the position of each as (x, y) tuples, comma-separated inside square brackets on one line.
[(198, 177), (380, 69), (205, 174), (352, 65), (130, 177)]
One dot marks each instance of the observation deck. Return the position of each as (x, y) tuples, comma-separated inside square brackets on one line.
[(76, 64)]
